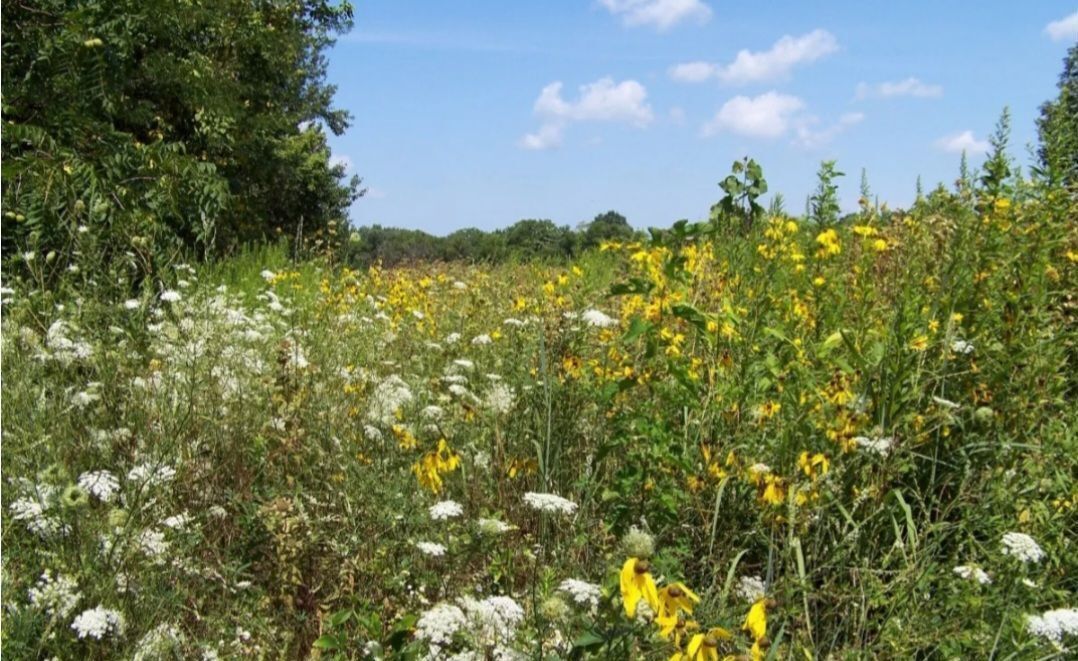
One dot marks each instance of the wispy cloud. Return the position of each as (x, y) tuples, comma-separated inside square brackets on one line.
[(1065, 29), (753, 67), (962, 142), (765, 116), (660, 14), (693, 72), (600, 101), (909, 87), (810, 137)]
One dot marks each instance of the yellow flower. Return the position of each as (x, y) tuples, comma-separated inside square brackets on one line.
[(774, 492), (637, 584), (756, 620), (919, 343), (673, 627), (813, 465), (676, 597), (703, 646), (829, 243)]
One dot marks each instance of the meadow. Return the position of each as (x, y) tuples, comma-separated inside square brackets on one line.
[(781, 441)]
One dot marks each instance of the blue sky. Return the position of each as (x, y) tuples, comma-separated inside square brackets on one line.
[(478, 114)]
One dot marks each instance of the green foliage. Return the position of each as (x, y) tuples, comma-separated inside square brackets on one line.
[(995, 182), (1057, 128), (743, 186), (824, 202), (159, 126), (609, 226)]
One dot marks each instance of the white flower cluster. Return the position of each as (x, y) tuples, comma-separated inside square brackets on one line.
[(750, 588), (388, 397), (962, 347), (101, 484), (548, 502), (1022, 546), (36, 511), (97, 623), (492, 621), (972, 573), (62, 347), (151, 475), (493, 526), (432, 549), (597, 319), (499, 399), (878, 445), (482, 340), (581, 592), (446, 509), (1054, 624), (57, 596), (439, 624)]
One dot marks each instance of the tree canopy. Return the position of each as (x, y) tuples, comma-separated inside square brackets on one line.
[(157, 124)]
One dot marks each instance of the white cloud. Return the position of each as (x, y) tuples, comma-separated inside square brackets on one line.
[(962, 142), (662, 14), (777, 62), (341, 159), (547, 137), (601, 101), (693, 72), (811, 138), (1065, 29), (764, 116), (908, 87)]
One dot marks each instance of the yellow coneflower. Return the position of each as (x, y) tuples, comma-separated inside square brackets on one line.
[(637, 584)]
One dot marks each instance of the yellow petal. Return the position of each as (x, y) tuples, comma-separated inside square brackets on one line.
[(756, 621), (651, 593), (694, 646)]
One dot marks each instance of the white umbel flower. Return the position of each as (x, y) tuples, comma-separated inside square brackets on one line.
[(1054, 624), (493, 526), (962, 346), (102, 485), (171, 296), (492, 620), (971, 573), (878, 445), (431, 548), (447, 509), (751, 588), (97, 623), (548, 502), (56, 595), (581, 592), (438, 625), (1022, 547), (597, 319), (481, 340)]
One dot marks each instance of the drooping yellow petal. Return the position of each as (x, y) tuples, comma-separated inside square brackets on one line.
[(756, 621), (651, 593), (630, 592), (695, 644)]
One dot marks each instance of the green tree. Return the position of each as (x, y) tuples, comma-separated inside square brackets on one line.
[(609, 226), (159, 125), (1057, 128), (995, 181)]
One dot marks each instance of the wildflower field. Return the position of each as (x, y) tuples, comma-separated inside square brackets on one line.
[(786, 441)]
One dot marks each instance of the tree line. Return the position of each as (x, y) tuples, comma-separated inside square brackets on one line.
[(528, 239)]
